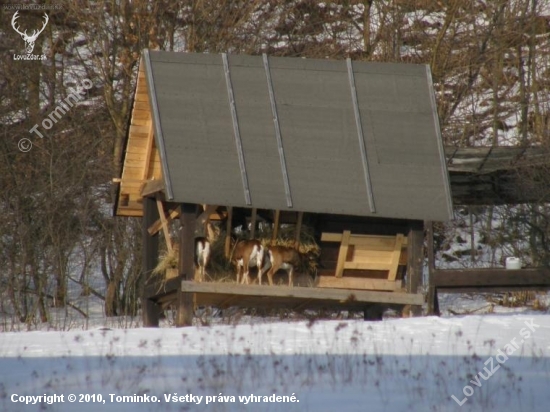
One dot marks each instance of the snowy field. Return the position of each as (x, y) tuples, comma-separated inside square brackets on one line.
[(497, 362)]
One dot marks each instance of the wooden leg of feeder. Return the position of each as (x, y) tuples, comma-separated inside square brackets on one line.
[(253, 223), (150, 310), (228, 228), (184, 315), (373, 311), (276, 225), (414, 262), (164, 223), (298, 229), (433, 305)]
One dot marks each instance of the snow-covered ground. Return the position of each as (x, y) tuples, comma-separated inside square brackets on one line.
[(498, 362)]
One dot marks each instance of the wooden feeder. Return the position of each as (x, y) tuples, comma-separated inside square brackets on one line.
[(352, 149)]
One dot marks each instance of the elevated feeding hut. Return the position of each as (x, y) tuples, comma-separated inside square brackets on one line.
[(352, 147)]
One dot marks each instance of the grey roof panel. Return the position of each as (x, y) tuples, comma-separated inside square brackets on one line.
[(193, 110), (318, 133), (257, 132)]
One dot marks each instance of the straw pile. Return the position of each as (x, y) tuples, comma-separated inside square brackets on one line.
[(219, 269)]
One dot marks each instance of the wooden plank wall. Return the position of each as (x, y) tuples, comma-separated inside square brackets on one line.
[(141, 160)]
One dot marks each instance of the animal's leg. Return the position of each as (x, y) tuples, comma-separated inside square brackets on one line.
[(264, 270), (259, 262), (245, 274), (238, 272)]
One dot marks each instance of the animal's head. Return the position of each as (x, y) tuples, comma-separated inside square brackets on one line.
[(29, 39), (212, 232), (310, 261)]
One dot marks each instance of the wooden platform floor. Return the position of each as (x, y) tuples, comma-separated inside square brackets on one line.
[(224, 295)]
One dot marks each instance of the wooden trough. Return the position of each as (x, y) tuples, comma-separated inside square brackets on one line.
[(371, 253)]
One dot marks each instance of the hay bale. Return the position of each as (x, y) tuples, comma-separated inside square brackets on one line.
[(168, 262)]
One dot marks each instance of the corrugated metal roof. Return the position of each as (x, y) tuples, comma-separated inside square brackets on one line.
[(218, 130)]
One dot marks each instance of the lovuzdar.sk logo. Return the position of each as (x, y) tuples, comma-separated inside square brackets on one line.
[(29, 39)]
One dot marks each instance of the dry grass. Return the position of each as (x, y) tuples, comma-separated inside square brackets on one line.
[(519, 299), (219, 269), (308, 247), (168, 260)]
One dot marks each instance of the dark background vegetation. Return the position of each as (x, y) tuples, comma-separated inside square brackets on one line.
[(491, 72)]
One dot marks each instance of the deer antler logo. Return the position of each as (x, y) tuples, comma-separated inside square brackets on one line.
[(29, 40)]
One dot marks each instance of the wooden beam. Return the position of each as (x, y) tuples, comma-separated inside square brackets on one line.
[(155, 227), (337, 295), (396, 255), (489, 159), (433, 304), (361, 283), (150, 310), (253, 218), (365, 265), (493, 289), (186, 264), (491, 277), (204, 217), (228, 229), (129, 212), (165, 228), (276, 225), (162, 289), (374, 242), (342, 255), (151, 187), (415, 260)]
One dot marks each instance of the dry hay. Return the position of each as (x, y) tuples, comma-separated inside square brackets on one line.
[(168, 260), (307, 246), (220, 269)]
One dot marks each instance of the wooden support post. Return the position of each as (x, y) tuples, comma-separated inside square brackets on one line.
[(164, 223), (415, 260), (374, 311), (433, 304), (155, 227), (184, 316), (253, 223), (276, 225), (228, 229), (298, 230), (150, 250), (342, 254), (394, 265), (204, 217)]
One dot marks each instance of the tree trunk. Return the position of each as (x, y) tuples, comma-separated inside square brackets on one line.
[(111, 302)]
